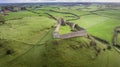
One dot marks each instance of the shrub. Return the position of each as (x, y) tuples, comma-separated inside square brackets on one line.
[(104, 49), (9, 51), (109, 47), (2, 19), (1, 45), (92, 43)]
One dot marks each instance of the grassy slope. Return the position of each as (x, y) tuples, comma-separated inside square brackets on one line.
[(16, 15), (109, 13), (108, 26), (90, 21), (17, 47), (58, 53), (22, 35), (66, 53), (99, 26), (28, 29)]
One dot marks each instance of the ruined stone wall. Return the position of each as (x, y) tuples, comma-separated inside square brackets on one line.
[(75, 26), (114, 39), (116, 32), (56, 32), (81, 31), (74, 34)]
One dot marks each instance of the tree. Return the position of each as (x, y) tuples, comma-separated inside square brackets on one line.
[(23, 8), (109, 47), (2, 19)]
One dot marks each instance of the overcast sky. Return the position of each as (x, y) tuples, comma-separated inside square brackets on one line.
[(14, 1)]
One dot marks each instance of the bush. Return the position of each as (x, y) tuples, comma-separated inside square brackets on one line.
[(109, 47), (2, 19), (1, 45), (9, 51), (92, 43)]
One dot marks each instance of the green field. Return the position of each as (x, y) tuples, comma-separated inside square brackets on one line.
[(19, 15), (26, 30), (63, 28), (29, 35)]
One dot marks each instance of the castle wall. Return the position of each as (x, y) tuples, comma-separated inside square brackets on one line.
[(74, 34), (81, 31)]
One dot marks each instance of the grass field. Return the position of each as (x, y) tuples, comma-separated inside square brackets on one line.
[(101, 25), (30, 36), (63, 28), (19, 15), (110, 13), (64, 55), (28, 29)]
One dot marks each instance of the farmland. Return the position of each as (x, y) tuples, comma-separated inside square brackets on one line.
[(29, 35)]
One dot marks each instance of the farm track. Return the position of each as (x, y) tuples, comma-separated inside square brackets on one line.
[(32, 46)]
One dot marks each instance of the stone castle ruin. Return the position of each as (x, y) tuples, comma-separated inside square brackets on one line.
[(75, 28)]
